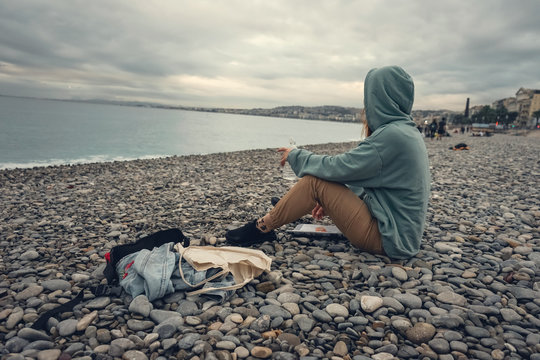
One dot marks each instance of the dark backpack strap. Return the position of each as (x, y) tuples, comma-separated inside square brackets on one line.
[(98, 291), (41, 322)]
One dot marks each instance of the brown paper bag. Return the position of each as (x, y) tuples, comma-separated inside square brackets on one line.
[(244, 264)]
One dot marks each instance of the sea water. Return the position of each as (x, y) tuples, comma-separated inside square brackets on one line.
[(48, 132)]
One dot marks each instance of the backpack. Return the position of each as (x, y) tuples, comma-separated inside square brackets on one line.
[(112, 258)]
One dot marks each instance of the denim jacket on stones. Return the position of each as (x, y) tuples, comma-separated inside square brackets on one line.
[(155, 273)]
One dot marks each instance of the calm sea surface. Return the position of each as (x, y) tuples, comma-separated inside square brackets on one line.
[(44, 132)]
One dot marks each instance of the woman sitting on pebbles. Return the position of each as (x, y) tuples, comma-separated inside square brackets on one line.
[(376, 193)]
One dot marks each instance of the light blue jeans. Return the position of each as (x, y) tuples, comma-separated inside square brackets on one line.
[(155, 273)]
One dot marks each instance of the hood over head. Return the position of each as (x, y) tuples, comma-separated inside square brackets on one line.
[(388, 96)]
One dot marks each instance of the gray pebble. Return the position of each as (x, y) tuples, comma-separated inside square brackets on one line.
[(141, 305), (139, 325), (477, 332), (56, 284), (322, 315), (188, 340), (439, 345), (119, 346), (275, 311), (187, 308), (67, 327), (15, 344), (165, 330), (98, 303), (160, 316), (32, 335), (408, 300)]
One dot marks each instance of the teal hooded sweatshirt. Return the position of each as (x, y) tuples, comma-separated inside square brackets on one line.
[(389, 169)]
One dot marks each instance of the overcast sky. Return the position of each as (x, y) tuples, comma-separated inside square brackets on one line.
[(246, 54)]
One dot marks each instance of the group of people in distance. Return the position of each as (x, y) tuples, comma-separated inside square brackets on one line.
[(436, 129)]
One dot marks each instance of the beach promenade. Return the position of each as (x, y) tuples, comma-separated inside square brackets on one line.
[(473, 291)]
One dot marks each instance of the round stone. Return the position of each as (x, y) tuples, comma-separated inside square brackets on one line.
[(226, 345), (408, 300), (29, 255), (98, 303), (460, 346), (340, 349), (399, 273), (337, 310), (140, 325), (322, 315), (261, 352), (49, 354), (140, 305), (56, 284), (31, 291), (32, 335), (439, 345), (292, 308), (187, 308), (477, 332), (289, 297), (103, 336), (275, 311), (304, 322), (165, 330), (236, 318), (119, 346), (420, 333), (510, 315), (402, 324), (160, 316), (450, 297), (67, 327), (370, 303), (291, 339), (134, 355), (241, 352), (86, 320), (193, 320), (187, 341)]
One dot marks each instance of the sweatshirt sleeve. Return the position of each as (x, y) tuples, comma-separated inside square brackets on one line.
[(360, 163)]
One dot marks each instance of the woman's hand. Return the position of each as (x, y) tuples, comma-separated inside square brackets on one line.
[(318, 212), (284, 154)]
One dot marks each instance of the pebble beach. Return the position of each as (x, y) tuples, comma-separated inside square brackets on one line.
[(473, 291)]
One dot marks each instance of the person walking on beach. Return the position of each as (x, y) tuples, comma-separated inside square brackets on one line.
[(377, 193), (433, 129), (441, 129)]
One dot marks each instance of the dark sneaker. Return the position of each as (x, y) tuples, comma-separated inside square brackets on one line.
[(248, 235), (274, 200)]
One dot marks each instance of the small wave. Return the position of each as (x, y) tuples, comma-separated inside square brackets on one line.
[(85, 160)]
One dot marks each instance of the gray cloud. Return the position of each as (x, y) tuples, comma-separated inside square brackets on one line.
[(264, 54)]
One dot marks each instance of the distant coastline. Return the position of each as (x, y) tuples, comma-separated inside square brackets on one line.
[(323, 112)]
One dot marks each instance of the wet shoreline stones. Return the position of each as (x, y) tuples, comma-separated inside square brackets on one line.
[(472, 292)]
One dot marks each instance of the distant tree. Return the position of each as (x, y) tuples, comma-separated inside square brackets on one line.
[(501, 114), (512, 116), (485, 116), (458, 119)]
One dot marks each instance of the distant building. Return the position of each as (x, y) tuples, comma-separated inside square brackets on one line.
[(509, 103), (528, 101)]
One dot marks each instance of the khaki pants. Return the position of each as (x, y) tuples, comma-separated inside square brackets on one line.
[(348, 212)]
